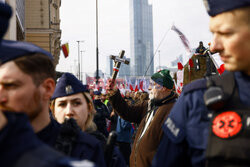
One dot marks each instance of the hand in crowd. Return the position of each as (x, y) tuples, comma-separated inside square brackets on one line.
[(111, 87), (112, 113)]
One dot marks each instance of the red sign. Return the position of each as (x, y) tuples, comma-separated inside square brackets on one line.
[(227, 124)]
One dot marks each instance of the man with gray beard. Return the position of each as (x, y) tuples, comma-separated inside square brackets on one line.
[(150, 116)]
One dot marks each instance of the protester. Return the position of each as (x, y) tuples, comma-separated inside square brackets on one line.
[(144, 96), (102, 114), (113, 117), (27, 83), (124, 136), (150, 116), (200, 49), (208, 124)]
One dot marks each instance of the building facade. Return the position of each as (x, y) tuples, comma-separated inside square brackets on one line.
[(16, 30), (38, 22), (42, 22), (141, 38)]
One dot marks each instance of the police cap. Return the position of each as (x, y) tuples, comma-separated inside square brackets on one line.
[(5, 14), (11, 50), (215, 7), (68, 85)]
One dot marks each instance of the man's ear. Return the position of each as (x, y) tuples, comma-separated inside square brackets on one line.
[(48, 87), (166, 89)]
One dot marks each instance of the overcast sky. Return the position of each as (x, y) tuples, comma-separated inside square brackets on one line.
[(78, 23)]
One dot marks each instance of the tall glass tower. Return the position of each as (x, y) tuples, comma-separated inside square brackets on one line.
[(141, 37)]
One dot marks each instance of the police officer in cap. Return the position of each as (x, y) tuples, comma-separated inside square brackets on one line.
[(27, 83), (209, 123), (18, 143), (71, 99)]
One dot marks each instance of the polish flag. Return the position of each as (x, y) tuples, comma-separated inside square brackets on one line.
[(65, 49)]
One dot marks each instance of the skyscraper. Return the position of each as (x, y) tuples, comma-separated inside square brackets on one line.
[(141, 37), (109, 66)]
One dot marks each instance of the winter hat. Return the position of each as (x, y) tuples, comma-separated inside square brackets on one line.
[(163, 78)]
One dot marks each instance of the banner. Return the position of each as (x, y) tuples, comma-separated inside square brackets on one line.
[(183, 38)]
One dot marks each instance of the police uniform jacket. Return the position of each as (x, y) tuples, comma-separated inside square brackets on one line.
[(20, 147), (85, 147), (144, 147), (187, 127)]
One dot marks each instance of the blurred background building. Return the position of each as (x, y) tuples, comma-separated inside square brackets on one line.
[(36, 21), (141, 37)]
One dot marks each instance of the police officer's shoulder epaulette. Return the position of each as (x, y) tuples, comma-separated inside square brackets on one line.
[(195, 85)]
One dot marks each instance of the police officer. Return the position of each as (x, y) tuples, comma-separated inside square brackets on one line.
[(15, 131), (209, 123), (27, 84), (72, 100)]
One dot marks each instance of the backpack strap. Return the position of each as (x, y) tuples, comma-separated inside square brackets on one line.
[(225, 81)]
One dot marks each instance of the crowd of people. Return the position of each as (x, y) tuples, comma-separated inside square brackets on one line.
[(65, 124)]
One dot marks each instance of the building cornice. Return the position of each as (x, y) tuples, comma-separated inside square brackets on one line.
[(42, 30)]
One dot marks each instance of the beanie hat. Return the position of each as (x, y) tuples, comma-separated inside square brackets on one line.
[(163, 78)]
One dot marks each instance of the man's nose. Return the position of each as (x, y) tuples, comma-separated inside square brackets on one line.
[(3, 95), (216, 44)]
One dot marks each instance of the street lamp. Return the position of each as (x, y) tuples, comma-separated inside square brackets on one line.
[(79, 71), (97, 51), (81, 61)]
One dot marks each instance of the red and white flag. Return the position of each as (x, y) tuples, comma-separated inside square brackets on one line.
[(136, 85), (141, 85)]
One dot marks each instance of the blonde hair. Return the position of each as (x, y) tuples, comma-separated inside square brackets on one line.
[(89, 124)]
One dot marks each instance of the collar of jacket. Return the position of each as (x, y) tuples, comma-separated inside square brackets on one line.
[(165, 100)]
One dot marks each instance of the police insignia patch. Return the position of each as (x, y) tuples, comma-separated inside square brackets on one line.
[(69, 89), (227, 124), (171, 126)]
